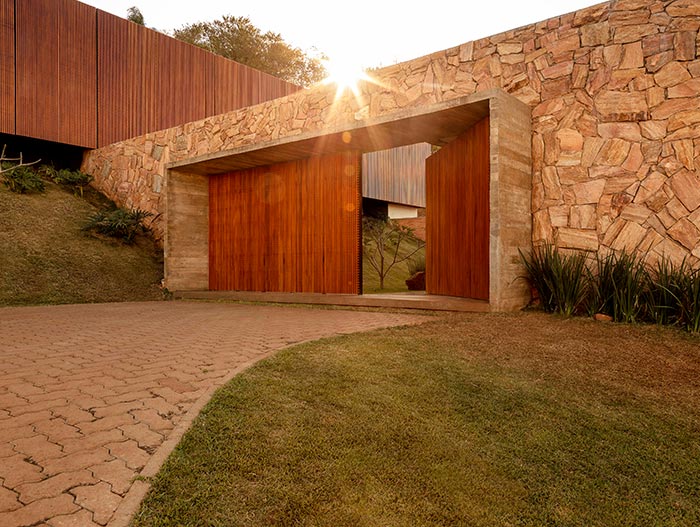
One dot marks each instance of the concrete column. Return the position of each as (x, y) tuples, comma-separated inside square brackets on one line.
[(510, 196), (187, 233)]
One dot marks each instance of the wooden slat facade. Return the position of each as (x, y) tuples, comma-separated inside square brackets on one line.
[(289, 227), (396, 175), (457, 216), (36, 74), (7, 66), (119, 84), (77, 86), (80, 76)]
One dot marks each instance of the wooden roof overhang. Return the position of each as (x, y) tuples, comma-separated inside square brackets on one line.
[(436, 124)]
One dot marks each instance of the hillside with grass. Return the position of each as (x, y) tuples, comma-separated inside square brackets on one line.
[(47, 258)]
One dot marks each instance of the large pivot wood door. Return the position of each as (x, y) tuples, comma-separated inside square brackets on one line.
[(288, 227), (457, 216)]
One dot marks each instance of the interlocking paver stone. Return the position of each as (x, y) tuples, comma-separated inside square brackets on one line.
[(39, 510), (99, 499), (89, 393), (116, 473), (8, 500), (82, 518), (130, 453), (54, 485)]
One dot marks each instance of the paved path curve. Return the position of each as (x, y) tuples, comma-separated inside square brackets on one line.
[(92, 396)]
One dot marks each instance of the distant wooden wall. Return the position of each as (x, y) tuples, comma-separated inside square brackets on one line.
[(289, 227), (457, 216), (7, 67), (73, 74), (396, 175)]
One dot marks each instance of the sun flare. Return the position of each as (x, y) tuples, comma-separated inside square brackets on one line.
[(345, 75)]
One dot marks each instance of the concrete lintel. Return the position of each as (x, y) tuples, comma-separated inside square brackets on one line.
[(436, 124)]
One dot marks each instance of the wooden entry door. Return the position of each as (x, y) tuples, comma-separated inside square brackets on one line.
[(457, 216), (289, 227)]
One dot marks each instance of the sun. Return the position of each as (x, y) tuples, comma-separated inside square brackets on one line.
[(345, 75)]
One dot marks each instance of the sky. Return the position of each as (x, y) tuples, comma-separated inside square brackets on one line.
[(367, 33)]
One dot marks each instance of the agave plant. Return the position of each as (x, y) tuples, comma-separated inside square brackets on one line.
[(118, 223)]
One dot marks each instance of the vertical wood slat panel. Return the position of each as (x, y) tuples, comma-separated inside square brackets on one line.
[(119, 78), (457, 216), (289, 227), (225, 91), (150, 78), (7, 66), (88, 78), (180, 89), (396, 175), (56, 73), (37, 73), (77, 67)]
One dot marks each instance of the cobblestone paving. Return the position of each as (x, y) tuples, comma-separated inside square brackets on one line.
[(90, 393)]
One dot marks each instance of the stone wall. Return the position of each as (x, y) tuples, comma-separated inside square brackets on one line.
[(615, 97)]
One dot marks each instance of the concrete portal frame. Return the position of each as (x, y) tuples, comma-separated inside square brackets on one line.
[(187, 209)]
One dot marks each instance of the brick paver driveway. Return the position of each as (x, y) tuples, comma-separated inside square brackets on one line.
[(93, 395)]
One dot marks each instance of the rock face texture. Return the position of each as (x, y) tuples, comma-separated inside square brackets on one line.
[(615, 97)]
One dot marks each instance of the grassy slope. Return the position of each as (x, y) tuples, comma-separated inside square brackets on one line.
[(480, 420), (45, 258)]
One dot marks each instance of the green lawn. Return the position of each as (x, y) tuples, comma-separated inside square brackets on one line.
[(470, 420)]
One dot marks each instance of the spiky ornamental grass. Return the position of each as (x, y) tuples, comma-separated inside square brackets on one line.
[(561, 280), (618, 284)]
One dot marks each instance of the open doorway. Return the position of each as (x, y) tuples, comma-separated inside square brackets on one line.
[(437, 239), (393, 224)]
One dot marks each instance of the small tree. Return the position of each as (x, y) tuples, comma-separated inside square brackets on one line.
[(381, 244), (133, 14)]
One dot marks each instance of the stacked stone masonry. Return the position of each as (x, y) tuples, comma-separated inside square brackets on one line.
[(615, 97)]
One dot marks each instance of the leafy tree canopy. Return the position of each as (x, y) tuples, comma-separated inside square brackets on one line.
[(236, 38), (134, 15)]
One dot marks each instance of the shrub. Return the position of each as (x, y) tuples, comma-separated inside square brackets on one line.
[(21, 178), (561, 280), (416, 264), (118, 223), (75, 179), (619, 287)]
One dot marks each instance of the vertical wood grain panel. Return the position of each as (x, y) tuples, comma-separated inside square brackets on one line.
[(37, 68), (77, 67), (88, 78), (225, 88), (7, 66), (288, 227), (150, 81), (396, 175), (119, 78), (457, 216)]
